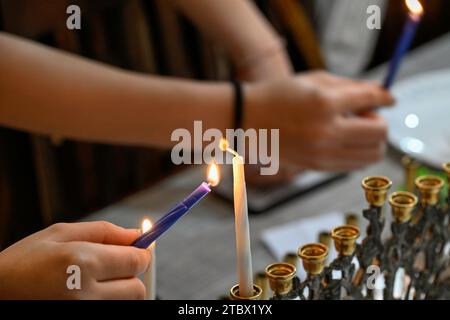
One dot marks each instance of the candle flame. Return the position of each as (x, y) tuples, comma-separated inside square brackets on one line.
[(223, 145), (146, 225), (213, 174), (415, 7)]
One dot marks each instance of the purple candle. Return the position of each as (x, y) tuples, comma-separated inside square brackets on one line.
[(183, 207), (409, 31)]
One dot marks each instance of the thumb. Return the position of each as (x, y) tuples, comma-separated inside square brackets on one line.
[(362, 96), (98, 232)]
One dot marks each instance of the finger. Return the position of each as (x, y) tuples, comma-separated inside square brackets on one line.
[(360, 97), (99, 232), (362, 131), (117, 262), (328, 78), (369, 114), (336, 80), (122, 289)]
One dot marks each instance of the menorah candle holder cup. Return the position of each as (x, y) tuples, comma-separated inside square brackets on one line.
[(313, 256), (446, 167), (376, 189), (292, 258), (352, 219), (325, 238), (411, 167), (429, 187), (280, 277), (262, 282), (234, 293), (402, 204), (345, 239)]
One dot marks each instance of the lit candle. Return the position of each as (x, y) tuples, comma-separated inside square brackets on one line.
[(150, 273), (243, 251), (414, 17), (169, 219)]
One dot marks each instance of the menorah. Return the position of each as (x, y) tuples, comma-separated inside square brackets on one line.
[(418, 246)]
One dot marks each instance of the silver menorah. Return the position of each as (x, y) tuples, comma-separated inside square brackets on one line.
[(416, 255)]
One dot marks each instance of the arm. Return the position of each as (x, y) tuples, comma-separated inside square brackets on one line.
[(255, 48), (51, 92)]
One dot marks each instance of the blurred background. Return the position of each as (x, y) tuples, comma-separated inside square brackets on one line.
[(45, 180)]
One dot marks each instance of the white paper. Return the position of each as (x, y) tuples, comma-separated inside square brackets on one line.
[(418, 125)]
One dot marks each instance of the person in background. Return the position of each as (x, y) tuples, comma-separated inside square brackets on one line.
[(325, 124), (95, 102)]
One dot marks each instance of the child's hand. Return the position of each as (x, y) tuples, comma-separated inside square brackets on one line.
[(35, 267)]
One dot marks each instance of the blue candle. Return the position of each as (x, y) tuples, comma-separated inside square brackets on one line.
[(163, 224), (169, 219), (409, 31)]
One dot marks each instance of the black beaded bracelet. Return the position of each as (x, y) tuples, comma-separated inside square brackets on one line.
[(238, 103)]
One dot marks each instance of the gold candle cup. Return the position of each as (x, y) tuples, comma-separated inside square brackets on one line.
[(376, 189), (429, 187), (262, 282), (352, 219), (280, 277), (447, 170), (411, 167), (345, 239), (313, 256), (234, 293), (325, 238), (292, 258), (402, 204)]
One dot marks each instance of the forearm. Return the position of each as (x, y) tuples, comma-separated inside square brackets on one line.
[(247, 36), (50, 92)]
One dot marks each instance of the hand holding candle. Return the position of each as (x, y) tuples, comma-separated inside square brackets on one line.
[(409, 31)]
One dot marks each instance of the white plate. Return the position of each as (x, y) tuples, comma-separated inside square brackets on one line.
[(419, 125)]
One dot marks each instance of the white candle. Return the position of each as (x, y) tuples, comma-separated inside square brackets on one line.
[(150, 273), (244, 257)]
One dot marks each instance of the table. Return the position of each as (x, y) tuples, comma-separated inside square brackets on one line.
[(196, 258)]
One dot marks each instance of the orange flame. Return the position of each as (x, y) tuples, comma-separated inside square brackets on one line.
[(225, 147), (213, 174), (223, 144), (146, 225), (415, 7)]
